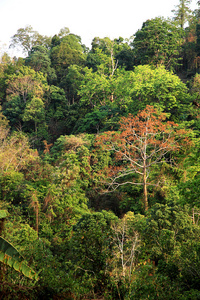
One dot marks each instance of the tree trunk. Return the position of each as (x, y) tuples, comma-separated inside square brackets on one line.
[(145, 174), (145, 190)]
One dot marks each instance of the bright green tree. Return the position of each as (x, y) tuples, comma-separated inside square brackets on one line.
[(133, 90), (152, 86), (34, 111), (70, 181), (95, 89), (169, 232)]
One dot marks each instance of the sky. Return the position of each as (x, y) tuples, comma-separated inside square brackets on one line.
[(86, 18)]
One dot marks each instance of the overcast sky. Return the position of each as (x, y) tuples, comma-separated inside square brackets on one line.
[(87, 18)]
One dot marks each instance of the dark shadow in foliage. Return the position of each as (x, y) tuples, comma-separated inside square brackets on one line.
[(102, 119)]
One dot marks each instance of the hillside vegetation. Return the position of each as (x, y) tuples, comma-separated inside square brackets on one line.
[(100, 164)]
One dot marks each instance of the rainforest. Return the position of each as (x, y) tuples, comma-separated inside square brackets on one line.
[(100, 164)]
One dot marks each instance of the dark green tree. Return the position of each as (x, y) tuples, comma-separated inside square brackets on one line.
[(158, 42), (117, 50), (91, 245), (71, 83), (39, 60), (68, 52)]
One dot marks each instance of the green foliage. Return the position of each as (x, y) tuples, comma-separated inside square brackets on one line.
[(14, 109), (68, 52), (126, 242), (131, 91), (167, 228), (95, 89), (190, 191), (39, 60), (91, 244), (3, 214), (34, 111), (157, 43), (11, 186), (11, 257), (59, 219), (104, 118), (195, 88), (154, 86), (23, 87), (72, 81)]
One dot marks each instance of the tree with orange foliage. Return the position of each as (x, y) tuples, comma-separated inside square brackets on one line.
[(142, 142)]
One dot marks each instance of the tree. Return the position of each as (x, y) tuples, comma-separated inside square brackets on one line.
[(34, 111), (4, 129), (158, 42), (69, 182), (95, 89), (25, 83), (170, 244), (67, 52), (117, 48), (143, 141), (23, 86), (131, 91), (56, 111), (63, 32), (39, 60), (182, 12), (91, 244), (102, 56), (72, 81), (15, 152), (126, 243), (102, 119), (26, 38), (11, 257), (198, 39), (167, 227)]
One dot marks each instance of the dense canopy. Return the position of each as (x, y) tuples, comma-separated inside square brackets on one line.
[(100, 164)]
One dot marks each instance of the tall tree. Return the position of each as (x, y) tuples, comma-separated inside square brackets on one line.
[(26, 38), (68, 51), (182, 12), (143, 141)]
